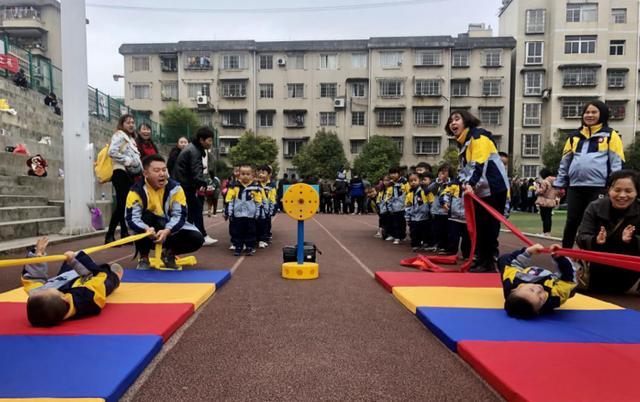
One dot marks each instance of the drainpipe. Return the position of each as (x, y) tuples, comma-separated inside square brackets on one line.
[(369, 91)]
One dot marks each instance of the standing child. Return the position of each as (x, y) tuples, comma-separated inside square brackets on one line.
[(243, 205), (457, 227), (383, 209), (395, 198), (417, 213), (371, 203), (439, 208), (268, 207)]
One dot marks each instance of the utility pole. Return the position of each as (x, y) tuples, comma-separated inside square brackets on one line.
[(78, 153)]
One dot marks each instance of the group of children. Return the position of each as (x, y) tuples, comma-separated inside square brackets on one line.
[(250, 205), (432, 208)]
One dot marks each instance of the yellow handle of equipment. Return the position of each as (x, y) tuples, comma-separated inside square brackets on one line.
[(55, 258)]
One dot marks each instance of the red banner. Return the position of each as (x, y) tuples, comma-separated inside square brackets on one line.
[(9, 63)]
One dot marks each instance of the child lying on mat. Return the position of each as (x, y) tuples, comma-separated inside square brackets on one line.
[(530, 290), (80, 289)]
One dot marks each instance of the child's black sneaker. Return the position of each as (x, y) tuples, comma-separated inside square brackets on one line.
[(237, 252), (143, 264), (169, 260), (249, 251)]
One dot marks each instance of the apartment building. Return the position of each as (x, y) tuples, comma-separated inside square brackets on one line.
[(33, 25), (569, 52), (401, 87)]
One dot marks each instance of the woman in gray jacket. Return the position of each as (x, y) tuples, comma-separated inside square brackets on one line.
[(126, 166)]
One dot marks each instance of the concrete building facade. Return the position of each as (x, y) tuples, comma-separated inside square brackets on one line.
[(569, 52), (400, 87)]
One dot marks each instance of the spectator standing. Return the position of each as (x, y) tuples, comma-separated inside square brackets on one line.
[(356, 193), (341, 187), (144, 142), (175, 151), (547, 199)]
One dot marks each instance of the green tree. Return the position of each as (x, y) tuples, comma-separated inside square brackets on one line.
[(552, 152), (322, 157), (255, 150), (377, 156), (451, 157), (179, 121), (632, 156), (222, 169)]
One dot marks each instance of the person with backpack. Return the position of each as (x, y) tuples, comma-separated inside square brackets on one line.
[(340, 187)]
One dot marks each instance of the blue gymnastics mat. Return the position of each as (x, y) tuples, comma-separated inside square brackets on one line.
[(452, 325), (219, 277), (83, 366)]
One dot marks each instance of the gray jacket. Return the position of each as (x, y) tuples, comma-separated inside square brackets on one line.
[(124, 153)]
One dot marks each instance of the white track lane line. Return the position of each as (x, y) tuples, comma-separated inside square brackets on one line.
[(353, 256)]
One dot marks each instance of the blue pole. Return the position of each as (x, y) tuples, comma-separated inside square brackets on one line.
[(300, 247)]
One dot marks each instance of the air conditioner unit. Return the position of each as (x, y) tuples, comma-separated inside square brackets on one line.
[(224, 150), (546, 93), (339, 102), (202, 100), (282, 62)]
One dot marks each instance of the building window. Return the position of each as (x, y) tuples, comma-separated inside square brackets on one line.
[(428, 88), (619, 15), (530, 145), (490, 116), (356, 146), (295, 90), (580, 44), (140, 63), (616, 47), (391, 88), (390, 59), (206, 119), (328, 90), (197, 61), (426, 116), (426, 146), (534, 52), (399, 142), (530, 170), (169, 63), (226, 144), (233, 89), (291, 148), (294, 119), (459, 88), (460, 58), (358, 89), (266, 90), (195, 89), (328, 62), (295, 61), (265, 119), (617, 109), (357, 118), (491, 58), (582, 12), (616, 78), (141, 91), (430, 57), (233, 62), (169, 90), (533, 81), (535, 20), (266, 62), (572, 107), (327, 119), (491, 87), (390, 117), (579, 77), (233, 118), (358, 60), (531, 114)]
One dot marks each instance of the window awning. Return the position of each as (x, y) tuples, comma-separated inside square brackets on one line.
[(355, 79), (294, 111), (625, 69), (233, 110), (584, 65), (267, 110), (428, 107), (461, 79), (295, 138), (533, 70), (388, 107)]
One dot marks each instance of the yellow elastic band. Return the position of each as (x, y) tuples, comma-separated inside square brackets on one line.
[(54, 258)]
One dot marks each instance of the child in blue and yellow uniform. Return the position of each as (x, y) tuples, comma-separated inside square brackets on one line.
[(268, 207), (395, 200), (530, 290), (80, 289), (243, 208), (417, 212), (439, 210)]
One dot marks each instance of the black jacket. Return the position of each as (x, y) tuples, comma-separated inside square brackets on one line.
[(598, 214), (171, 161), (188, 168)]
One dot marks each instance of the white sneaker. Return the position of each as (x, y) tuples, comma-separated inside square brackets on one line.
[(208, 241), (232, 247), (263, 244), (396, 241), (378, 235), (389, 238)]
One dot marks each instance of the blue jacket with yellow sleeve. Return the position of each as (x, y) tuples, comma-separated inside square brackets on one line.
[(417, 205), (516, 269), (244, 201), (395, 196), (168, 204), (85, 284), (268, 207), (590, 155), (480, 164)]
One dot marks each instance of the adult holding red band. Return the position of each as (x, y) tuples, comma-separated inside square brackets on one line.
[(590, 155), (611, 225), (482, 173)]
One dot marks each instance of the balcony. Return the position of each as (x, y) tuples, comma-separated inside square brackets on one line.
[(21, 17)]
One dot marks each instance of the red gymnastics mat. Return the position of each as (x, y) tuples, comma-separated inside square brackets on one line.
[(115, 319), (389, 280), (541, 371)]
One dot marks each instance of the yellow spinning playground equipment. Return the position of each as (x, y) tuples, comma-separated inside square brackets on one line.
[(300, 202)]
